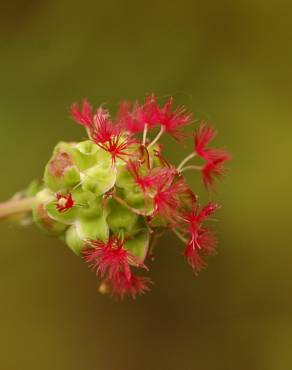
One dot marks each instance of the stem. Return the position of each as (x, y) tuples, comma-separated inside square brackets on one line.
[(188, 158), (14, 207), (160, 133), (197, 168), (145, 133)]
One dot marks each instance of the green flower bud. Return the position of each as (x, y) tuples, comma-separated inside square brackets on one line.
[(85, 154), (73, 240), (120, 218), (61, 173), (138, 246), (42, 217), (99, 179)]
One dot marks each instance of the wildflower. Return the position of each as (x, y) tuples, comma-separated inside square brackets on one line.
[(64, 202), (135, 117), (201, 241), (126, 208), (173, 120), (167, 198), (109, 137), (126, 119), (214, 157), (110, 258), (214, 168)]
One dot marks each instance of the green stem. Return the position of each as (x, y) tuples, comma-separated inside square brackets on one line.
[(160, 133), (196, 168), (16, 206), (188, 158)]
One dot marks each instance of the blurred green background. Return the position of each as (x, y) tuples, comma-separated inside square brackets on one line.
[(230, 63)]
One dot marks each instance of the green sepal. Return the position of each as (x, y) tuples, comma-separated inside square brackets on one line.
[(120, 218), (138, 246), (67, 217), (93, 209), (85, 154), (103, 158), (124, 179), (99, 179), (73, 240), (93, 228), (82, 197)]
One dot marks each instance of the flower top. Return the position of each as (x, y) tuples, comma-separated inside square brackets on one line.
[(126, 193)]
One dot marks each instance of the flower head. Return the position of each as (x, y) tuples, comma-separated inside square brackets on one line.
[(173, 119), (127, 206), (110, 137), (214, 168), (109, 259), (167, 197), (135, 117), (127, 119), (201, 241)]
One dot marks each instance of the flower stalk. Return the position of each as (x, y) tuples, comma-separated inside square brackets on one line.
[(15, 207)]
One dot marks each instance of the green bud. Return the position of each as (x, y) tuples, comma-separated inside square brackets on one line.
[(61, 172), (138, 246), (73, 240), (66, 217), (85, 154), (95, 228), (124, 179), (93, 209), (43, 219), (99, 179), (120, 218)]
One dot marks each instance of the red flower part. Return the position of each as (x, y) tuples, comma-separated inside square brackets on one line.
[(64, 202), (167, 198), (214, 168), (102, 129), (196, 217), (153, 179), (121, 286), (194, 255), (134, 118), (126, 119), (83, 115), (109, 259), (148, 113), (201, 241), (214, 157), (173, 120), (109, 137), (202, 138)]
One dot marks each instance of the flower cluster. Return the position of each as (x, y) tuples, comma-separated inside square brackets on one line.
[(110, 196)]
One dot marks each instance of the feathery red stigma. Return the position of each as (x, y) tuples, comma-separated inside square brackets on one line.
[(64, 202)]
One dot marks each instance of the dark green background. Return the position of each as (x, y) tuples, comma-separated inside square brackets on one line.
[(230, 63)]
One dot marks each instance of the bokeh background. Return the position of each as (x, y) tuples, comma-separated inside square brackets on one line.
[(230, 63)]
